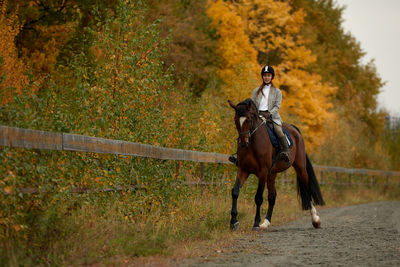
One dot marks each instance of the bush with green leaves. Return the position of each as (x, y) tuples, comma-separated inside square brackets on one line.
[(117, 87)]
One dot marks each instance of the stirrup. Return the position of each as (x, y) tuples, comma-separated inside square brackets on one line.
[(233, 159)]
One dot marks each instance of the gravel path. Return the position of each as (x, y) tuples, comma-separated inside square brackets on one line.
[(361, 235)]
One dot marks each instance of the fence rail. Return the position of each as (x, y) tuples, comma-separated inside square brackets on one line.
[(34, 139), (25, 138)]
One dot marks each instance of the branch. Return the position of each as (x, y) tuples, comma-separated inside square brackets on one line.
[(46, 9)]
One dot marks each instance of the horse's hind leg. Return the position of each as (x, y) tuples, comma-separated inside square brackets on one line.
[(271, 201), (304, 189), (316, 221)]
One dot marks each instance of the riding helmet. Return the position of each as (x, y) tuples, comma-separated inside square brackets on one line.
[(268, 69)]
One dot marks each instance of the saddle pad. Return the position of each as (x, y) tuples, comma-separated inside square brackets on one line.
[(274, 138)]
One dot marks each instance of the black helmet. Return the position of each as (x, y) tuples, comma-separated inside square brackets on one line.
[(268, 69)]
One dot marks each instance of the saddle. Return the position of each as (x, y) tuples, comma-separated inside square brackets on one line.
[(274, 138)]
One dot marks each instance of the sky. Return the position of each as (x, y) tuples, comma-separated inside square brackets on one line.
[(376, 25)]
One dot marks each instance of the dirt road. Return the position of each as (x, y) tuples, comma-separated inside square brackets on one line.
[(361, 235)]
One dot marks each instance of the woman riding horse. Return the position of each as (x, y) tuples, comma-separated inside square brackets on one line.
[(268, 100), (256, 154)]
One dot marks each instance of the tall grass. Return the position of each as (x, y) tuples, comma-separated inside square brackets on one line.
[(90, 232)]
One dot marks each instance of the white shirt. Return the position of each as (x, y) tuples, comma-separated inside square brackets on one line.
[(264, 98)]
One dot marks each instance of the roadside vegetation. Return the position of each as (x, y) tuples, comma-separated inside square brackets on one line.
[(160, 73)]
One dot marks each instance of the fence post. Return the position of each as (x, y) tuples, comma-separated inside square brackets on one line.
[(201, 171), (177, 167), (349, 179)]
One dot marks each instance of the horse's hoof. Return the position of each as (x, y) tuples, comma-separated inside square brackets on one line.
[(235, 226), (317, 224), (264, 226), (256, 228)]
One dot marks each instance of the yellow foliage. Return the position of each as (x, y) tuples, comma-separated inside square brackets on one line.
[(239, 68), (270, 24), (269, 27), (274, 28), (308, 99)]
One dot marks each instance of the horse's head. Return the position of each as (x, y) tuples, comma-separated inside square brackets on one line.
[(245, 115)]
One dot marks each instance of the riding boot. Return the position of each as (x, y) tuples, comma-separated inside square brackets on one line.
[(284, 154), (234, 160)]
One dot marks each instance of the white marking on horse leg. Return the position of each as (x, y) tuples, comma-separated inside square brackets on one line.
[(265, 225), (316, 221), (241, 121)]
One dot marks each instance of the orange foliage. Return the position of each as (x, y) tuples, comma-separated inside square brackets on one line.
[(12, 67), (239, 69), (267, 31), (270, 24), (42, 55), (274, 31)]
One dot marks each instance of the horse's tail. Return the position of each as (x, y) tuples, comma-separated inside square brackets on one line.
[(313, 191), (313, 182)]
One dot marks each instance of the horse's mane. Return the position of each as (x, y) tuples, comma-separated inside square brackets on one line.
[(248, 102)]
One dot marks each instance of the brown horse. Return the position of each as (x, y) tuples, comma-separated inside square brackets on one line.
[(256, 155)]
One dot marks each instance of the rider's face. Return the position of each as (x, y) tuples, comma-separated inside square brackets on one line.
[(267, 77)]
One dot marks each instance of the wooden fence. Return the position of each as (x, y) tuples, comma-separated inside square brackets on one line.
[(34, 139)]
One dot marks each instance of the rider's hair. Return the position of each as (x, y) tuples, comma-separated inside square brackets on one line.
[(260, 89)]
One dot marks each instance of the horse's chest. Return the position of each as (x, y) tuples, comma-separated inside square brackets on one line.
[(249, 163)]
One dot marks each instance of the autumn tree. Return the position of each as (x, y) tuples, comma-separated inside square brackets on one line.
[(339, 62), (392, 140), (239, 66), (118, 89), (254, 33), (192, 44)]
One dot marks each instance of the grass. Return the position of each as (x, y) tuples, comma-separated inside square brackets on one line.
[(198, 223), (203, 224)]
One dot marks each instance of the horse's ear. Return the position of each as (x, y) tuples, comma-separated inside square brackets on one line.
[(232, 105)]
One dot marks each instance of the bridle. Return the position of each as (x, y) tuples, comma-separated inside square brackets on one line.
[(249, 133)]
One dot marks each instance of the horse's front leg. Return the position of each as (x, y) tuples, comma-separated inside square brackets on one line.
[(259, 200), (271, 201), (240, 179)]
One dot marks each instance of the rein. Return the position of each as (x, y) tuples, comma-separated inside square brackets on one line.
[(263, 122), (250, 133)]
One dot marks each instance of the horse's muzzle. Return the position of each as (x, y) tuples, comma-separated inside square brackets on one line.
[(244, 143), (244, 138)]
